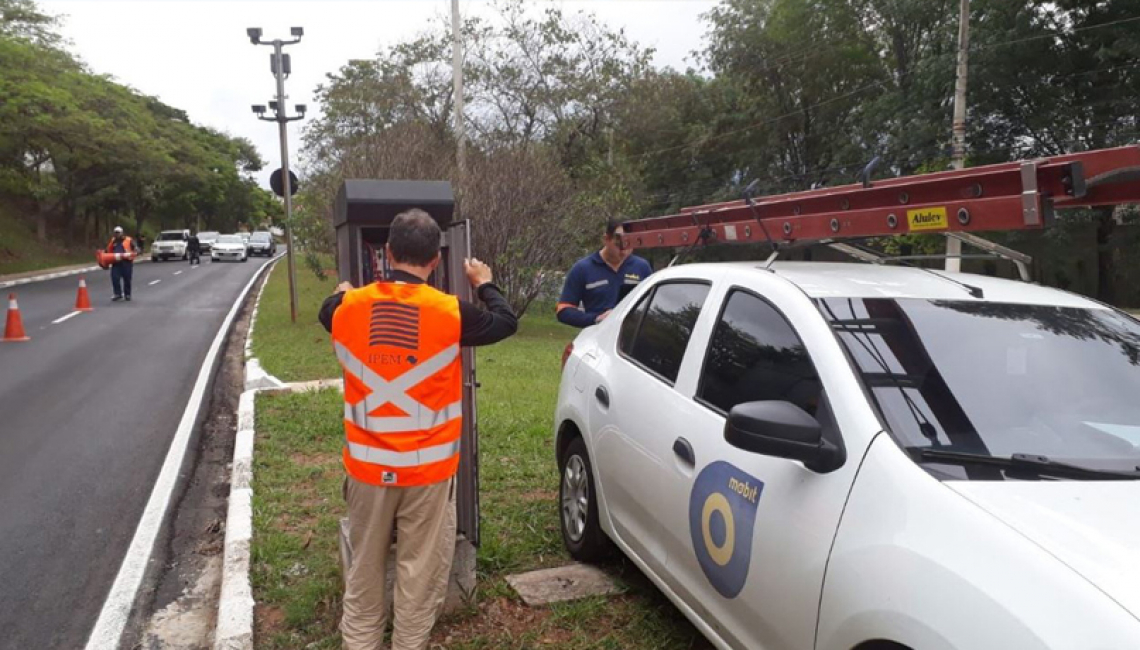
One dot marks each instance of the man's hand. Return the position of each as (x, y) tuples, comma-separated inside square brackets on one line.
[(602, 316), (478, 273), (343, 286)]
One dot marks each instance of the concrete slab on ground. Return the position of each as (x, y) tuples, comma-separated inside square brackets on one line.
[(563, 583)]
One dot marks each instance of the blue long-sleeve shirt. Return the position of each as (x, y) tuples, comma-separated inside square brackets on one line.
[(593, 288)]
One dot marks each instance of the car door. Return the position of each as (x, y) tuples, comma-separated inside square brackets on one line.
[(634, 402), (748, 535)]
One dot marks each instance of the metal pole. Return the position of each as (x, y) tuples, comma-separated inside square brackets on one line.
[(281, 122), (958, 150), (457, 82)]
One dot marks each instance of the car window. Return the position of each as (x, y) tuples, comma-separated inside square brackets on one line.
[(207, 235), (999, 378), (259, 236), (665, 325), (171, 236), (755, 355), (630, 325), (229, 239)]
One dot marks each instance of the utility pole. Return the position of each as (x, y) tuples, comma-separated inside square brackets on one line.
[(457, 83), (958, 144), (281, 66)]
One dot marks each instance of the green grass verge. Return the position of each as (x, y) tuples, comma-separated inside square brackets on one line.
[(21, 252), (294, 351), (297, 501)]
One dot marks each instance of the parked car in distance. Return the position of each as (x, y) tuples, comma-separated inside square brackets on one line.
[(170, 244), (206, 240), (262, 243), (857, 457), (229, 247), (244, 239)]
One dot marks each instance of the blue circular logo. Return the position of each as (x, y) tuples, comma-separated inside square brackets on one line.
[(722, 514)]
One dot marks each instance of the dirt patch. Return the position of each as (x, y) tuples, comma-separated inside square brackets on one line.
[(267, 620), (311, 460), (501, 617), (539, 495)]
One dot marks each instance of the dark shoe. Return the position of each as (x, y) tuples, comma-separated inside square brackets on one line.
[(128, 298), (116, 299)]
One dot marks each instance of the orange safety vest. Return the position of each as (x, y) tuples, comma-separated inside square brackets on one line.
[(128, 247), (403, 383)]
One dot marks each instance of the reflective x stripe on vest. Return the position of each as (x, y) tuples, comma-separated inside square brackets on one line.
[(367, 454), (419, 417)]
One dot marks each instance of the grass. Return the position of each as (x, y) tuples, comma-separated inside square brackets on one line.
[(294, 351), (21, 251), (297, 502)]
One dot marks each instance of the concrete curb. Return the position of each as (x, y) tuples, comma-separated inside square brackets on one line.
[(235, 605), (4, 284), (255, 375)]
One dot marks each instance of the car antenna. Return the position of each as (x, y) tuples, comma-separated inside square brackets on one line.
[(974, 291), (748, 194)]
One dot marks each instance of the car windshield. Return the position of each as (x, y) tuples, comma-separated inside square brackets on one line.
[(999, 379), (229, 239), (259, 237), (171, 236), (207, 235)]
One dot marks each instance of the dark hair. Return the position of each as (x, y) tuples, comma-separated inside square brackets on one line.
[(612, 224), (414, 238)]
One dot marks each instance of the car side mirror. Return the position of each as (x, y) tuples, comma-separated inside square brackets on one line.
[(783, 430)]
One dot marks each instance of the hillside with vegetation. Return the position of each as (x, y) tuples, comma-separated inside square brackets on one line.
[(81, 153)]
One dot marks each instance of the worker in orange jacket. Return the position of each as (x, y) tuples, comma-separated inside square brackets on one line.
[(398, 341), (123, 270)]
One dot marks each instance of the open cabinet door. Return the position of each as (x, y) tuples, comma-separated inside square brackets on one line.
[(457, 247)]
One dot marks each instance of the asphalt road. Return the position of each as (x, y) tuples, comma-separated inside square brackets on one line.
[(88, 409)]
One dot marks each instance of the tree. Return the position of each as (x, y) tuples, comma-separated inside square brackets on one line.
[(541, 91), (80, 151)]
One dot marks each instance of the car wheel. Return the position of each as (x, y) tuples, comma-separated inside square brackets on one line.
[(184, 257), (578, 506)]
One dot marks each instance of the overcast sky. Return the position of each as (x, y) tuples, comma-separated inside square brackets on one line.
[(194, 54)]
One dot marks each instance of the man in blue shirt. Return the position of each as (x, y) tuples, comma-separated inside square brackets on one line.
[(596, 283)]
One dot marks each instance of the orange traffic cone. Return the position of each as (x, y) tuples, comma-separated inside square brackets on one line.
[(82, 300), (14, 328)]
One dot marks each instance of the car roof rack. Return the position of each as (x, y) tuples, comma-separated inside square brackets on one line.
[(1020, 195)]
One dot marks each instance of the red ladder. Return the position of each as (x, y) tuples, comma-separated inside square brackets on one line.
[(1010, 196)]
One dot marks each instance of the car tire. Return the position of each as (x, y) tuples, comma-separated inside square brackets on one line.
[(184, 257), (582, 533)]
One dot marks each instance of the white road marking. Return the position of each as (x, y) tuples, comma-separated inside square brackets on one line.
[(63, 318), (117, 608), (177, 272), (154, 282)]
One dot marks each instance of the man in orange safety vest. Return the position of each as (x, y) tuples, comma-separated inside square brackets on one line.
[(123, 270), (398, 342)]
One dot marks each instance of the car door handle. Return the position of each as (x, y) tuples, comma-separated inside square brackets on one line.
[(684, 451), (603, 396)]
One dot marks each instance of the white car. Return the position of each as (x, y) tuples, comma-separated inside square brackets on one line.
[(170, 244), (229, 247), (862, 457)]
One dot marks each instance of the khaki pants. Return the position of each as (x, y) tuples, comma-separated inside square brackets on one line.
[(424, 520)]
